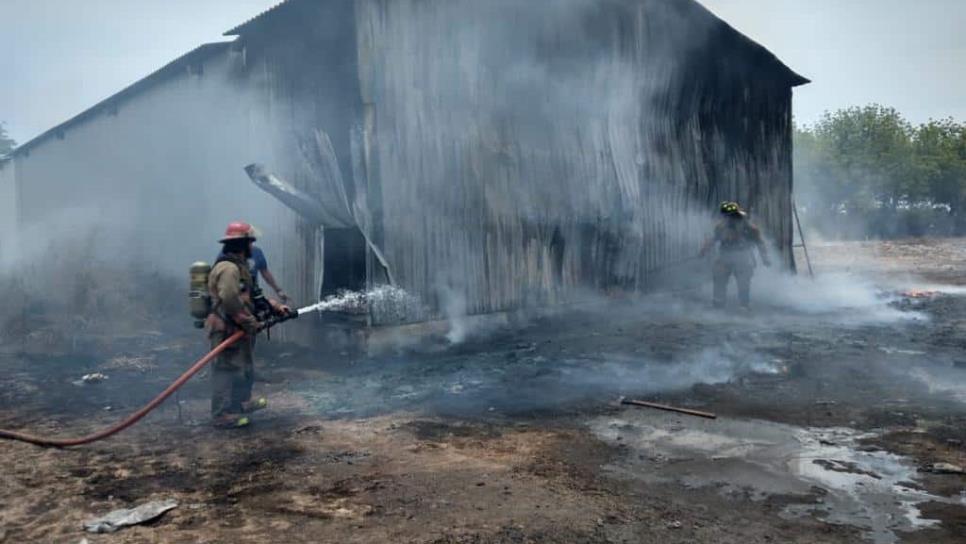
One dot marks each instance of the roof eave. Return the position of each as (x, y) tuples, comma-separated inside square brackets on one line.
[(199, 54), (244, 27)]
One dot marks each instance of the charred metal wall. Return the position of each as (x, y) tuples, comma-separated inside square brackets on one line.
[(524, 152)]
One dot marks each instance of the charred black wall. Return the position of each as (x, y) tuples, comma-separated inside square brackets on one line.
[(526, 151), (743, 109)]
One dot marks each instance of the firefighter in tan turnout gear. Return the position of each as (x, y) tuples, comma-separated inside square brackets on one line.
[(234, 305), (736, 238)]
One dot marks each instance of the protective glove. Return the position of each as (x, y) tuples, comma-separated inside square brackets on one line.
[(283, 297)]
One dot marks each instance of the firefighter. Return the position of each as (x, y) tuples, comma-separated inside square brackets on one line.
[(230, 284), (258, 265), (736, 238)]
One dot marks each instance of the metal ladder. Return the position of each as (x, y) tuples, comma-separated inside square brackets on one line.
[(801, 237)]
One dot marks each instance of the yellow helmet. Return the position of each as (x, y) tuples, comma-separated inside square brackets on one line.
[(730, 208)]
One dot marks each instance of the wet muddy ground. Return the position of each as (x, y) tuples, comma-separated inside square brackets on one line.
[(834, 398)]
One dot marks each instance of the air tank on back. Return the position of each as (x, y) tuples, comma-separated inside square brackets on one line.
[(199, 300)]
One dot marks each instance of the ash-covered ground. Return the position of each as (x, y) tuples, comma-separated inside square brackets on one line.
[(835, 398)]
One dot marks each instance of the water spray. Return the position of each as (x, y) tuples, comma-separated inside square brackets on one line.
[(347, 301), (358, 302)]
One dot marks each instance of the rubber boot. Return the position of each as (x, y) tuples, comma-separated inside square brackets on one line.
[(231, 421), (254, 405)]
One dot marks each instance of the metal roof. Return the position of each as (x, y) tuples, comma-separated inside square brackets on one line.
[(794, 78), (207, 50), (111, 103), (285, 7), (260, 18)]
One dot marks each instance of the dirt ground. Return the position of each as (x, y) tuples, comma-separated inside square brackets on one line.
[(834, 398)]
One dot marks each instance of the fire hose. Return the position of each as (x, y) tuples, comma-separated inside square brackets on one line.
[(147, 408)]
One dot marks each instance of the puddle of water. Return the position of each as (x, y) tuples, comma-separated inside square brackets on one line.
[(872, 490)]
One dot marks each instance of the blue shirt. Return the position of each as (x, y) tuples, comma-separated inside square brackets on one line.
[(256, 263)]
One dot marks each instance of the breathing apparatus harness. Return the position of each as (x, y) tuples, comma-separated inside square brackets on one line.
[(261, 308)]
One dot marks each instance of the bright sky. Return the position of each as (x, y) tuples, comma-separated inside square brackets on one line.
[(908, 54), (59, 57)]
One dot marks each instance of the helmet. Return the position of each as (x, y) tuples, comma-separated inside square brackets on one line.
[(731, 208), (238, 230)]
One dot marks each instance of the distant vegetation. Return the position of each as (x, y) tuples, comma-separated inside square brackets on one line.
[(868, 173), (6, 142)]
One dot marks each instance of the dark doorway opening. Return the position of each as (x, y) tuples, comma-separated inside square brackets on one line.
[(344, 261)]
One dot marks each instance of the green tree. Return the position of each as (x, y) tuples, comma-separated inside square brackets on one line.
[(870, 171), (941, 162), (6, 142), (868, 157)]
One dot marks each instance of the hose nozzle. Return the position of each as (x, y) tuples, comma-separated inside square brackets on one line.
[(276, 319)]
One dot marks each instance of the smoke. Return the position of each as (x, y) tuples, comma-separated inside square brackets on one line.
[(454, 308), (524, 151), (77, 272), (525, 379), (115, 209), (625, 374), (542, 134), (837, 295)]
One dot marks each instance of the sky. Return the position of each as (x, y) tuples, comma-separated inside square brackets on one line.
[(59, 57), (908, 54)]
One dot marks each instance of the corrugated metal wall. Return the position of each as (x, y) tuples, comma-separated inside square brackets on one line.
[(9, 213), (523, 152)]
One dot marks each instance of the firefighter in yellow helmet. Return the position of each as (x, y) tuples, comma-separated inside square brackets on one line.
[(736, 239), (231, 287)]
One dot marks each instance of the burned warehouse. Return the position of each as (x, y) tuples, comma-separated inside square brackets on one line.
[(482, 271), (487, 154)]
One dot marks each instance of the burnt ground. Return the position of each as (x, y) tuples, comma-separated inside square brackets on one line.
[(833, 398)]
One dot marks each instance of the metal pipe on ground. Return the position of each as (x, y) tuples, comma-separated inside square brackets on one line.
[(665, 407)]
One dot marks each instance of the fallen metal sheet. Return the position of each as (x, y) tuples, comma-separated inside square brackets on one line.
[(307, 206), (314, 210), (124, 517)]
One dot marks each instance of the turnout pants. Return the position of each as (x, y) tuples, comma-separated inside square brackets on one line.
[(232, 376), (741, 265)]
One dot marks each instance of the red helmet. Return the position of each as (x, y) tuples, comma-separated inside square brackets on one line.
[(238, 230)]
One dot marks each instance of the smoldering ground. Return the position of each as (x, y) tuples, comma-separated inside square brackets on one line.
[(661, 344), (435, 459)]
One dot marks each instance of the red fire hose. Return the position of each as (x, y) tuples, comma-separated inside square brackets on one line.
[(133, 418)]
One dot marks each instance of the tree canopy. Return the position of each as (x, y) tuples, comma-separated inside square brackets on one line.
[(868, 171), (6, 142)]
